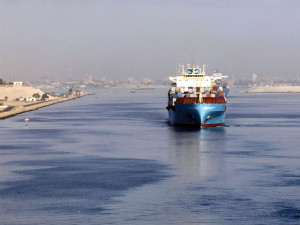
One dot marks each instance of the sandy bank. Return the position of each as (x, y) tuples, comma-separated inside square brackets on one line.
[(274, 89), (21, 107)]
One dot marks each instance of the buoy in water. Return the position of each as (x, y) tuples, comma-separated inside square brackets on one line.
[(26, 121)]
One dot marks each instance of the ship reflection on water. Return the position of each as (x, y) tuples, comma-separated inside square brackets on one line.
[(196, 152)]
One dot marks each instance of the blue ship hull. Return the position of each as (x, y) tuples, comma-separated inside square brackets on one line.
[(204, 115)]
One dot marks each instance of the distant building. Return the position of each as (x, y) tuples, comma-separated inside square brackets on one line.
[(18, 83), (78, 92), (31, 99)]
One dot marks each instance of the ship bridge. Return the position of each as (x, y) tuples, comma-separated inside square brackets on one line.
[(194, 77)]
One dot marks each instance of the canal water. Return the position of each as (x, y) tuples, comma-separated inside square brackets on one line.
[(112, 158)]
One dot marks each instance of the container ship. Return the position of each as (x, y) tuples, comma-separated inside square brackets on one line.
[(221, 81), (196, 98)]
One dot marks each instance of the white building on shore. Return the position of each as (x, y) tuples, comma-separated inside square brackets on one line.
[(18, 83)]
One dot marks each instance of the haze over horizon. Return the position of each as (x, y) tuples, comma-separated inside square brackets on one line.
[(119, 39)]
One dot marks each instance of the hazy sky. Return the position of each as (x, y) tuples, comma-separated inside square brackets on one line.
[(71, 38)]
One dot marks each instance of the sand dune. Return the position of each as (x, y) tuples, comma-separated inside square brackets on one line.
[(17, 91)]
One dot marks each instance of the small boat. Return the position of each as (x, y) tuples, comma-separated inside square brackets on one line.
[(26, 119), (132, 91)]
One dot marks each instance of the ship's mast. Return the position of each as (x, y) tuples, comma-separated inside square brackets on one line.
[(203, 69), (182, 69)]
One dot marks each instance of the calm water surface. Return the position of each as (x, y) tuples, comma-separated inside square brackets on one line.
[(112, 158)]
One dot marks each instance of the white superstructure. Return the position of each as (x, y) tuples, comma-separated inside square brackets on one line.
[(194, 77), (219, 76)]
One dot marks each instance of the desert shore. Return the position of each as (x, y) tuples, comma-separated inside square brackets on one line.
[(18, 91), (273, 89), (16, 107)]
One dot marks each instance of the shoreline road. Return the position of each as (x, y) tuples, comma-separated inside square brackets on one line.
[(36, 103), (8, 109)]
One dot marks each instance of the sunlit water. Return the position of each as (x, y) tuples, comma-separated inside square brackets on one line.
[(112, 158)]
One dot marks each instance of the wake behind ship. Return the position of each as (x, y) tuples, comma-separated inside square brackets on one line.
[(196, 99)]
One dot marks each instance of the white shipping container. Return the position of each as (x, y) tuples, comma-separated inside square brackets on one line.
[(213, 95), (173, 89)]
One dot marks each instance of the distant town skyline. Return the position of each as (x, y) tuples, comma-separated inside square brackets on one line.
[(64, 39)]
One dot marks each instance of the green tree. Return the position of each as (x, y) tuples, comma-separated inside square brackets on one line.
[(6, 98), (2, 82), (44, 96), (36, 95)]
